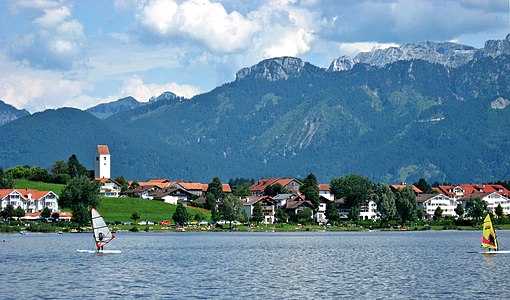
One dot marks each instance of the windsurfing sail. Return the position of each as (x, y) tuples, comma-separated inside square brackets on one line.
[(102, 234), (489, 239)]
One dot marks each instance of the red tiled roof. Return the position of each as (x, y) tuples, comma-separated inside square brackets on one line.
[(103, 149), (36, 195), (5, 192), (262, 184), (401, 186), (323, 187)]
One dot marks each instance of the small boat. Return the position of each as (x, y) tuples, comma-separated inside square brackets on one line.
[(489, 238), (23, 232), (60, 232)]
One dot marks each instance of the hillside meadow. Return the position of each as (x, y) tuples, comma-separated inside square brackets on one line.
[(121, 209)]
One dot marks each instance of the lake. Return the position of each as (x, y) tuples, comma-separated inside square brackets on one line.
[(236, 265)]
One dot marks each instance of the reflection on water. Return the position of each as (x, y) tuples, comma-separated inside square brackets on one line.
[(305, 265)]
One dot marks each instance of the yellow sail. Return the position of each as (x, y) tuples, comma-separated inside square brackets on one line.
[(489, 234)]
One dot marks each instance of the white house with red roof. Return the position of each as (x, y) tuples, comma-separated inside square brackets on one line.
[(30, 200), (325, 191), (430, 202), (493, 199), (109, 187), (102, 163), (290, 184)]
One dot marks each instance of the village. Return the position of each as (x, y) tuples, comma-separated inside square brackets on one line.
[(445, 197)]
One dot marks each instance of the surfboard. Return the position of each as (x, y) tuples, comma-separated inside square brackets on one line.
[(100, 251), (496, 252)]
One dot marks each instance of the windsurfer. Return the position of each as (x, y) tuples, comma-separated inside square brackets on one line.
[(99, 244)]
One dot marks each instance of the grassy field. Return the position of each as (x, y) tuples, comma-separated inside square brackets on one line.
[(121, 209), (41, 186)]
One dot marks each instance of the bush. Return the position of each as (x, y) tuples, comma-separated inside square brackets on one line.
[(134, 229)]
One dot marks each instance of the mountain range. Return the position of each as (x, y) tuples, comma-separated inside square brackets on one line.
[(438, 111)]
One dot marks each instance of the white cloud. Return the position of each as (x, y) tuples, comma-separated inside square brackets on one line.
[(53, 17), (141, 91)]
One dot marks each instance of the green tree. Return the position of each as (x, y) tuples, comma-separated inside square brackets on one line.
[(231, 209), (180, 216), (215, 215), (459, 210), (216, 189), (476, 208), (258, 213), (135, 216), (18, 172), (38, 174), (499, 211), (80, 194), (241, 190), (310, 189), (8, 212), (19, 212), (385, 200), (210, 202), (59, 167), (304, 216), (275, 189), (55, 216), (332, 213), (122, 182), (355, 190), (406, 205), (46, 213), (76, 169), (199, 217), (6, 181), (438, 213), (281, 216), (423, 186)]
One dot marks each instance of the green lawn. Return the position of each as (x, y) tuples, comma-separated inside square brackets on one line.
[(41, 186), (121, 209)]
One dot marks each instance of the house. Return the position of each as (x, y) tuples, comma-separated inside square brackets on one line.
[(161, 183), (102, 163), (296, 204), (290, 184), (141, 192), (493, 199), (109, 187), (485, 188), (451, 191), (268, 207), (30, 200), (172, 195), (396, 187), (368, 211), (325, 191), (430, 202), (199, 189), (281, 199), (320, 215)]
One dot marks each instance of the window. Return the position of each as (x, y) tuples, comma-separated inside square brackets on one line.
[(105, 158)]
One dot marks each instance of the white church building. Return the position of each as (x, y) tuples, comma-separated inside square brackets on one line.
[(102, 163)]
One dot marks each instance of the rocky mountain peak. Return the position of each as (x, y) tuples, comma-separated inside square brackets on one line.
[(273, 69), (343, 63), (496, 47), (163, 96), (9, 113)]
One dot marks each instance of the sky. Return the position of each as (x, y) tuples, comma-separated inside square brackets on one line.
[(64, 53)]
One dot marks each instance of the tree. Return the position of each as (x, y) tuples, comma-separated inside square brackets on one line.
[(355, 190), (180, 216), (275, 189), (423, 186), (55, 216), (304, 216), (38, 174), (459, 210), (385, 200), (215, 188), (499, 211), (438, 213), (122, 182), (76, 169), (231, 209), (310, 189), (135, 216), (241, 190), (46, 213), (332, 213), (80, 194), (210, 202), (406, 205), (258, 213), (476, 208), (281, 216), (17, 172), (215, 215), (19, 212), (6, 181), (59, 167), (8, 212)]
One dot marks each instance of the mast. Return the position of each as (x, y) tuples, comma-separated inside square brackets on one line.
[(102, 234)]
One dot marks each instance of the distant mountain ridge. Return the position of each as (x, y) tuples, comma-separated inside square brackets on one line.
[(284, 117), (446, 53), (9, 113)]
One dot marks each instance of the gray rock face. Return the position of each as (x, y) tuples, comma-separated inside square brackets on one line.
[(9, 113), (280, 68), (500, 103), (445, 53)]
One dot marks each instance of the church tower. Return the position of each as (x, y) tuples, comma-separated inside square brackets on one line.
[(102, 164)]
